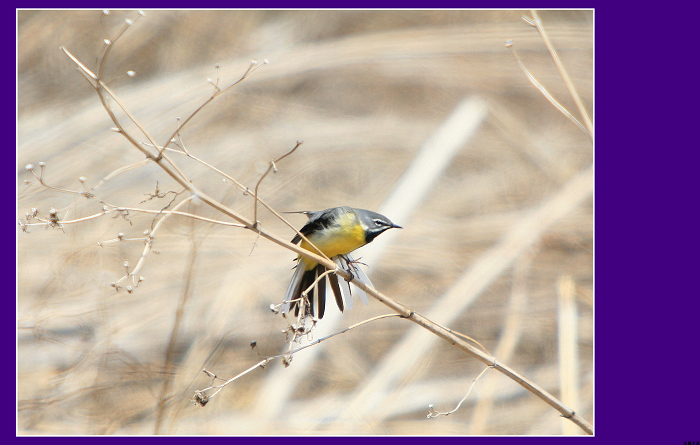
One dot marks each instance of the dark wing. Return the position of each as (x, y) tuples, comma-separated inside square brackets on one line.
[(317, 221)]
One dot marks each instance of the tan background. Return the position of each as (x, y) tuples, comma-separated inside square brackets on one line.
[(363, 90)]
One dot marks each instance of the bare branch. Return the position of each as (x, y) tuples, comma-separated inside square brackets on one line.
[(543, 90), (40, 178), (433, 413), (251, 69), (148, 246), (272, 167), (536, 22), (201, 398)]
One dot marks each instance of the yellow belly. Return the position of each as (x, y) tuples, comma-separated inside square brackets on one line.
[(338, 240)]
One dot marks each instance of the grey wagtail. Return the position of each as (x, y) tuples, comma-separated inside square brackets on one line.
[(336, 232)]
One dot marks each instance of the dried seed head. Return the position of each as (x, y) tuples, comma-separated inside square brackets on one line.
[(200, 398)]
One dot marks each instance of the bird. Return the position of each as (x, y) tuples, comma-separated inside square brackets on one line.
[(336, 232)]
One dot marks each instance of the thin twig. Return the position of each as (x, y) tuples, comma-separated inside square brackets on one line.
[(102, 86), (68, 221), (433, 413), (149, 244), (271, 167), (40, 178), (255, 196), (251, 69), (135, 209), (109, 42), (369, 320), (543, 90), (200, 395), (537, 23), (228, 177)]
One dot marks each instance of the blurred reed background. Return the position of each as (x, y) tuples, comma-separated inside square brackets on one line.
[(364, 90)]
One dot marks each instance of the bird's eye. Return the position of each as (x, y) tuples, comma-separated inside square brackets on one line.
[(379, 222)]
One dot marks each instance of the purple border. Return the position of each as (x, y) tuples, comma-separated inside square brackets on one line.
[(629, 404)]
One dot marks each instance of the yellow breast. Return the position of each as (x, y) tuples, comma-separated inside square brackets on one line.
[(343, 237)]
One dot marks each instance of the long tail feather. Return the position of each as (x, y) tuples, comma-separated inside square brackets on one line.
[(306, 281), (321, 291), (302, 279), (293, 291), (333, 278)]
